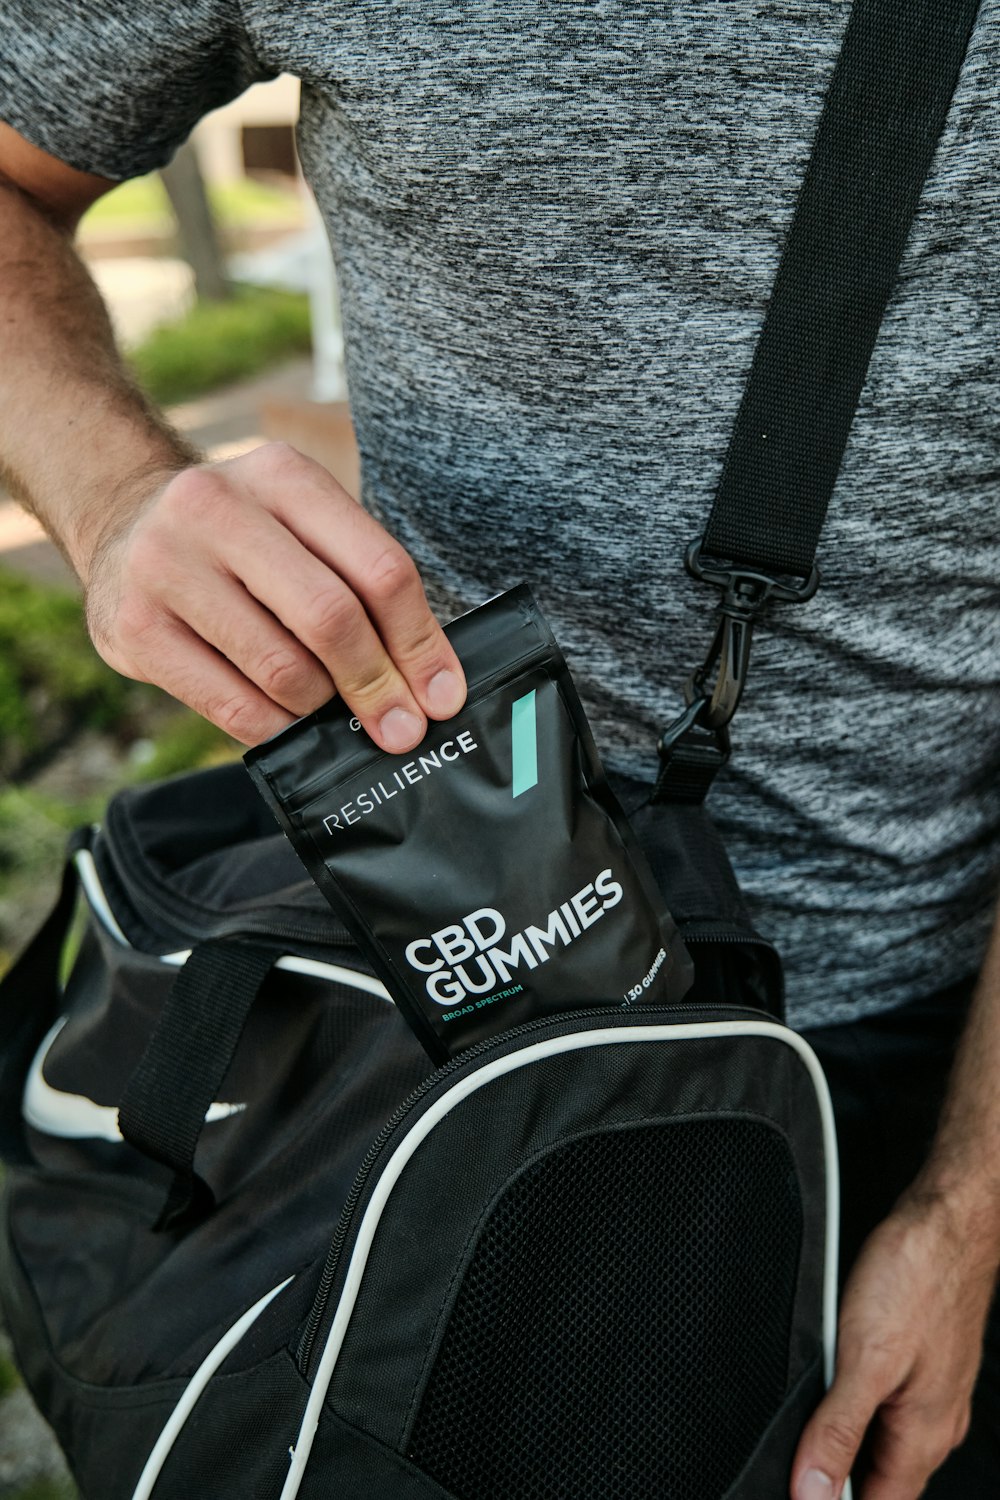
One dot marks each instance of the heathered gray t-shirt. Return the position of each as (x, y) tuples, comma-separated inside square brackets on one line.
[(556, 225)]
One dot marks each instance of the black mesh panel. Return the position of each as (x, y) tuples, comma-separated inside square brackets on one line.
[(621, 1332)]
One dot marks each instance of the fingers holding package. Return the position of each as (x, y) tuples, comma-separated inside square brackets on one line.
[(256, 588)]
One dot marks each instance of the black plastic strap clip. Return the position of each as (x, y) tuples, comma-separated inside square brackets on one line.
[(696, 746), (745, 592)]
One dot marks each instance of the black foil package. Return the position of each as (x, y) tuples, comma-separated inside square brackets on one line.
[(489, 875)]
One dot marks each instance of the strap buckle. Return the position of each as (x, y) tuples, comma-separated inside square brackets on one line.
[(695, 747), (691, 756), (745, 592)]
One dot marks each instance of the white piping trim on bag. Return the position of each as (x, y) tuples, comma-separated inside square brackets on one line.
[(473, 1081), (94, 892), (75, 1117), (72, 1116), (312, 968), (189, 1398)]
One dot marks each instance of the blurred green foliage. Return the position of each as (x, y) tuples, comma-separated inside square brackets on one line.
[(45, 1489), (33, 830), (142, 204), (51, 678), (56, 695), (184, 742), (219, 342), (53, 684), (9, 1378)]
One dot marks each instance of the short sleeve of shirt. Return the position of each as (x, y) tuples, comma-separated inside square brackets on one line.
[(115, 86)]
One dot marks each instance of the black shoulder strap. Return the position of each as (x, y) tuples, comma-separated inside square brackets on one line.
[(884, 112)]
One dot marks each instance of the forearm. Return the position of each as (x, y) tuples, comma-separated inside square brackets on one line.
[(963, 1169), (74, 430)]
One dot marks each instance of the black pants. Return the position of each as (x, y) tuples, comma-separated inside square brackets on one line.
[(887, 1076)]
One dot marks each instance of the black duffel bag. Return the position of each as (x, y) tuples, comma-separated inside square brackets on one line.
[(592, 1256)]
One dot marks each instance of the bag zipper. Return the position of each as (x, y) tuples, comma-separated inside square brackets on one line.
[(464, 1059), (704, 933)]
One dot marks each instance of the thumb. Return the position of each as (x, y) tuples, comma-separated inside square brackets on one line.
[(830, 1442)]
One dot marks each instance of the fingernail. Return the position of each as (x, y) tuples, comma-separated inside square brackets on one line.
[(815, 1485), (445, 693), (400, 730)]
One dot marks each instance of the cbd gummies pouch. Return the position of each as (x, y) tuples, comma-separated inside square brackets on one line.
[(489, 874)]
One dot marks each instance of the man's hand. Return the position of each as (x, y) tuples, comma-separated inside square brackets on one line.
[(909, 1347), (254, 589), (251, 590)]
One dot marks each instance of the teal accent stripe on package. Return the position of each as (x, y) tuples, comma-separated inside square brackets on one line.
[(524, 744)]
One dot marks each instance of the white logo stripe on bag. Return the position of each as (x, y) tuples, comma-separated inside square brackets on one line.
[(192, 1391), (73, 1116), (312, 968), (77, 1117), (86, 869)]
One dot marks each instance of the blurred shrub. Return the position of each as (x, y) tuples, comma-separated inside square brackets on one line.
[(51, 678), (9, 1378), (43, 1489), (218, 342), (142, 204), (185, 743), (53, 684)]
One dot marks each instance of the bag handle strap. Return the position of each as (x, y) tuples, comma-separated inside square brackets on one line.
[(883, 115), (179, 1076)]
